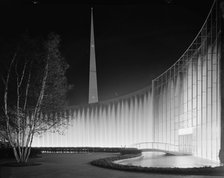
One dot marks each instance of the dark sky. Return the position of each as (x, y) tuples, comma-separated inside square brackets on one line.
[(135, 41)]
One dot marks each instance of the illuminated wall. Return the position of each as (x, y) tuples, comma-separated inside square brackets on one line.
[(187, 96), (181, 109), (115, 123)]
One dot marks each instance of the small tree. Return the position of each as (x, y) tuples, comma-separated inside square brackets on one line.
[(35, 85)]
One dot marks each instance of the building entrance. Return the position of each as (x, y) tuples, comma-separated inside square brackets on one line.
[(185, 143)]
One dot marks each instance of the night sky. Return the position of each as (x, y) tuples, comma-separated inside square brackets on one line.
[(134, 41)]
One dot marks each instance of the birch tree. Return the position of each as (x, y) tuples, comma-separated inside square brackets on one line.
[(34, 86)]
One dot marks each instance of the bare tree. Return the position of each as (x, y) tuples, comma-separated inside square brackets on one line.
[(35, 85)]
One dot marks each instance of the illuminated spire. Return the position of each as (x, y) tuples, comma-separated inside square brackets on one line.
[(93, 93)]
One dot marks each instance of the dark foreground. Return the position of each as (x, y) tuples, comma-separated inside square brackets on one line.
[(74, 166)]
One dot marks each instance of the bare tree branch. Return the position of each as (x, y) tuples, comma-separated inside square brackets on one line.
[(23, 72), (41, 95), (27, 88), (8, 130)]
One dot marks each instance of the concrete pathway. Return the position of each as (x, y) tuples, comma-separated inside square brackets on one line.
[(74, 166)]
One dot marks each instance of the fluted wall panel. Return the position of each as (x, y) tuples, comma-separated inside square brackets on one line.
[(187, 96), (117, 123)]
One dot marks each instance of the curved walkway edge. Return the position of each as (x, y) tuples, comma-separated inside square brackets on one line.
[(110, 163)]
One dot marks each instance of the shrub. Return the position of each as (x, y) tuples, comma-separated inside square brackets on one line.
[(8, 152)]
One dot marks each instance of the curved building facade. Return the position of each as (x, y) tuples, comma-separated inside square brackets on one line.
[(187, 99), (181, 109)]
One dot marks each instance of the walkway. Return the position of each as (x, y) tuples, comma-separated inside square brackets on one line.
[(73, 166), (159, 147), (175, 153)]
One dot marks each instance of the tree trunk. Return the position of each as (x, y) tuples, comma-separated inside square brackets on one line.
[(16, 155)]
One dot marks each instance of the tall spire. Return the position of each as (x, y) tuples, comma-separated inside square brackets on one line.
[(93, 93)]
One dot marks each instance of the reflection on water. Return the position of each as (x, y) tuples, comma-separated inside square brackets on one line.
[(159, 159)]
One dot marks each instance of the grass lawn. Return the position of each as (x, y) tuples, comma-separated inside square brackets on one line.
[(74, 166)]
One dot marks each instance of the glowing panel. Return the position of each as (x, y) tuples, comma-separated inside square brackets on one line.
[(185, 131)]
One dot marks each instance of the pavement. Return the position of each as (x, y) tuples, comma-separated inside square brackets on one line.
[(70, 165)]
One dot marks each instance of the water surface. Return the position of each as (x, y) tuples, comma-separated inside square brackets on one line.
[(159, 159)]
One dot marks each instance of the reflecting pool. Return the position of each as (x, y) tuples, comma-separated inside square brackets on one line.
[(160, 159)]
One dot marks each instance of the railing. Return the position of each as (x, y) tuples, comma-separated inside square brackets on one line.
[(81, 149), (156, 145)]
